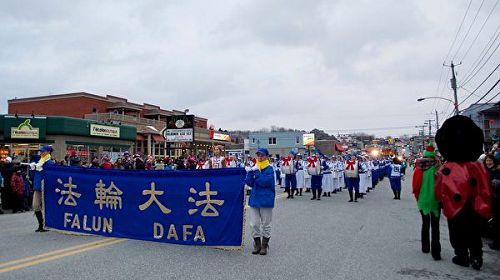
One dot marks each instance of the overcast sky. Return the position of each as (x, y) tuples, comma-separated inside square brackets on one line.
[(333, 65)]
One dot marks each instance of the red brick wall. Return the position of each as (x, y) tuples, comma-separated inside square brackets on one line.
[(75, 107)]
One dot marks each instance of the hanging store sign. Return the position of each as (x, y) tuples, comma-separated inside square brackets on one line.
[(104, 131), (221, 137), (180, 128), (178, 135), (308, 139), (25, 131)]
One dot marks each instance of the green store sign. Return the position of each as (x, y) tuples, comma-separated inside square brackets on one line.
[(25, 128)]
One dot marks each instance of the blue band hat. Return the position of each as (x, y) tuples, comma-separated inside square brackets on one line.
[(262, 151), (46, 148)]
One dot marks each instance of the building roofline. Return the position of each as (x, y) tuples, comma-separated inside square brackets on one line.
[(57, 96), (113, 101)]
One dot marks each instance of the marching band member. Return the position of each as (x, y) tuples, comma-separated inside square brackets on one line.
[(374, 171), (395, 178), (341, 168), (352, 178), (300, 175), (232, 162), (314, 169), (336, 174), (307, 176), (217, 160), (289, 168), (277, 164), (364, 178), (327, 181), (369, 163)]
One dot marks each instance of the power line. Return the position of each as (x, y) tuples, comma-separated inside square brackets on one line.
[(488, 102), (448, 54), (470, 74), (482, 54), (479, 85), (469, 91), (471, 77), (434, 104), (488, 92), (468, 30), (373, 128), (480, 30), (458, 31)]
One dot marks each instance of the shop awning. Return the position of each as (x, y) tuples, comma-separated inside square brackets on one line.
[(339, 148), (158, 138), (139, 137)]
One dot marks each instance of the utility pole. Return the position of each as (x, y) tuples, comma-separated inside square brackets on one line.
[(421, 133), (454, 84), (429, 123), (437, 121)]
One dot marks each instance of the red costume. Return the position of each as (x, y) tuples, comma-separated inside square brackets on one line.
[(463, 188), (457, 183)]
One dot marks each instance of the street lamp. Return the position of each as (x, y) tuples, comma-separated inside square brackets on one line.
[(455, 104)]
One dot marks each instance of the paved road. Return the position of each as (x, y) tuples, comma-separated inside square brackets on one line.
[(377, 238)]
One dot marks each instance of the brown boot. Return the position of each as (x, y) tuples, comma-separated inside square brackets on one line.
[(265, 246), (256, 246)]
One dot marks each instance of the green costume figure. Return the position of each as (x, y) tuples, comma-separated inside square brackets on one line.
[(423, 189)]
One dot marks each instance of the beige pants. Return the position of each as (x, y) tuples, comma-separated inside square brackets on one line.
[(260, 221), (37, 201)]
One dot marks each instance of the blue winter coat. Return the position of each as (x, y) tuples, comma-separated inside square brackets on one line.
[(262, 183), (37, 177)]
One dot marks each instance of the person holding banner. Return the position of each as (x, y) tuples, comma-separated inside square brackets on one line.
[(261, 201), (45, 158)]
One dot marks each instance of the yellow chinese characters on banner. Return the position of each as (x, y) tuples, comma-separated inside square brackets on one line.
[(209, 210), (70, 193), (152, 198), (109, 197)]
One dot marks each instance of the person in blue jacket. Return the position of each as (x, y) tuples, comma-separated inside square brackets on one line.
[(37, 167), (260, 179)]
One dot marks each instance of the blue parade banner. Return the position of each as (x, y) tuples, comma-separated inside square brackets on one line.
[(202, 207)]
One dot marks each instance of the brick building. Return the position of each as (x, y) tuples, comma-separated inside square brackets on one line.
[(149, 119)]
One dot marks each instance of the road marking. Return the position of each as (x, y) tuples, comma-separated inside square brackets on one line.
[(54, 255), (53, 252)]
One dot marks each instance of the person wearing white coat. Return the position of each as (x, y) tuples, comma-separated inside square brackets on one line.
[(327, 181), (364, 177)]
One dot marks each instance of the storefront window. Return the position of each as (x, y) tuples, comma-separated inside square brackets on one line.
[(23, 152)]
